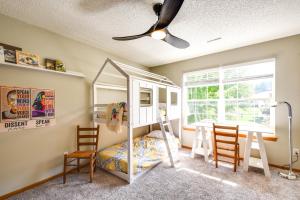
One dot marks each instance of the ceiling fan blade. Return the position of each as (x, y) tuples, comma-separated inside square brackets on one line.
[(125, 38), (133, 37), (175, 41), (168, 12)]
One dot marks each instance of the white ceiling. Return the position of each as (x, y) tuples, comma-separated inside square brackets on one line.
[(238, 22)]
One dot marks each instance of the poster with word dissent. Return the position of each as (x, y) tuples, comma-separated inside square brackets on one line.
[(15, 104), (42, 104), (26, 108)]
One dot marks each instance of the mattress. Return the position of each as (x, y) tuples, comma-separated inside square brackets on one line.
[(147, 152)]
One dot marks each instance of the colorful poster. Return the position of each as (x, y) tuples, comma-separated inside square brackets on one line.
[(42, 103), (22, 125), (15, 104)]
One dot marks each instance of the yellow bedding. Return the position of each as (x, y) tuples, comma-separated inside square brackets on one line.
[(147, 152)]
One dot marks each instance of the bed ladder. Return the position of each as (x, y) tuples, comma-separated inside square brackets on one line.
[(170, 140)]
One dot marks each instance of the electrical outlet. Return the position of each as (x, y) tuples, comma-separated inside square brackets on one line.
[(295, 151)]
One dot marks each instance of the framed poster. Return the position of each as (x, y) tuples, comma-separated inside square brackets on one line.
[(42, 104), (15, 104)]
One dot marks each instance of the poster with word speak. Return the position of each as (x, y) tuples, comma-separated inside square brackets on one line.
[(15, 104), (26, 108), (42, 104)]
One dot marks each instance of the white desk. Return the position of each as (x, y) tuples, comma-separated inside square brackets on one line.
[(263, 162)]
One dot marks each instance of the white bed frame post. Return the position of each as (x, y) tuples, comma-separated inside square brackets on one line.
[(130, 130)]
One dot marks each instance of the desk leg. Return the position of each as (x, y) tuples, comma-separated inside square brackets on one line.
[(195, 142), (204, 142), (263, 154), (247, 151)]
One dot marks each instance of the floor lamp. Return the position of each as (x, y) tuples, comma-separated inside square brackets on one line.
[(290, 175)]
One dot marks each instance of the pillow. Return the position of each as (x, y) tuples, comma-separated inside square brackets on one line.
[(157, 134)]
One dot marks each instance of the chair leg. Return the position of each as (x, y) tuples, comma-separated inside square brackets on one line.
[(78, 165), (238, 155), (65, 169), (91, 168), (94, 163), (235, 159), (216, 159)]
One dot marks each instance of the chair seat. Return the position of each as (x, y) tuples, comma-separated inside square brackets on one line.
[(81, 154)]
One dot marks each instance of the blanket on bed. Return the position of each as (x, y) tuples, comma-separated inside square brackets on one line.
[(147, 152), (114, 116)]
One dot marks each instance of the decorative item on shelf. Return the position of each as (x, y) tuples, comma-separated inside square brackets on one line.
[(50, 64), (25, 58), (2, 54), (59, 66), (10, 53)]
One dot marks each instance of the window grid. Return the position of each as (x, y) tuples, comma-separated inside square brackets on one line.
[(247, 109)]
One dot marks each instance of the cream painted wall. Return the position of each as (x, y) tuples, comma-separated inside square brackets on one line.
[(287, 54), (32, 155)]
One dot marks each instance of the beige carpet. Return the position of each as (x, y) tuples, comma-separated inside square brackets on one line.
[(191, 179)]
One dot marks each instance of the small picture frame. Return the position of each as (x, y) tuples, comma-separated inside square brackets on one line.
[(25, 58), (50, 64), (59, 66), (10, 53)]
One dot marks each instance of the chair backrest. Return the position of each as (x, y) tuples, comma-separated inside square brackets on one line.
[(92, 138), (228, 134)]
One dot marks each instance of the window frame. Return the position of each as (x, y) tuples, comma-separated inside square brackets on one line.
[(221, 82)]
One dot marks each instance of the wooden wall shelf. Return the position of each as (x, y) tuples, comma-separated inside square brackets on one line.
[(67, 73)]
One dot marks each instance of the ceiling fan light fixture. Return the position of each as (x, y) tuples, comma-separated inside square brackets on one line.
[(159, 34)]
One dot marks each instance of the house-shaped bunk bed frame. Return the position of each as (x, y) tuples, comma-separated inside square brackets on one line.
[(140, 113)]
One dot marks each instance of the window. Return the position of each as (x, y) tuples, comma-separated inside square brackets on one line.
[(239, 94), (174, 98), (145, 97)]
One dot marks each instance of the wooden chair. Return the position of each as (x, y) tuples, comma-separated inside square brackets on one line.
[(226, 144), (83, 154)]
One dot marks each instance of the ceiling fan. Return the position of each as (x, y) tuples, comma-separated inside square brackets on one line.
[(165, 12)]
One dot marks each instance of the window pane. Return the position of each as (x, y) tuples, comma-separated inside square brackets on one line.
[(191, 106), (201, 92), (189, 93), (262, 107), (246, 107), (213, 75), (201, 117), (194, 96), (231, 107), (263, 120), (231, 117), (230, 91), (246, 118), (263, 88), (213, 92), (251, 70), (191, 119), (245, 90), (200, 107), (212, 108)]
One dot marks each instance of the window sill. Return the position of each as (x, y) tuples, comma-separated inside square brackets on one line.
[(266, 137)]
